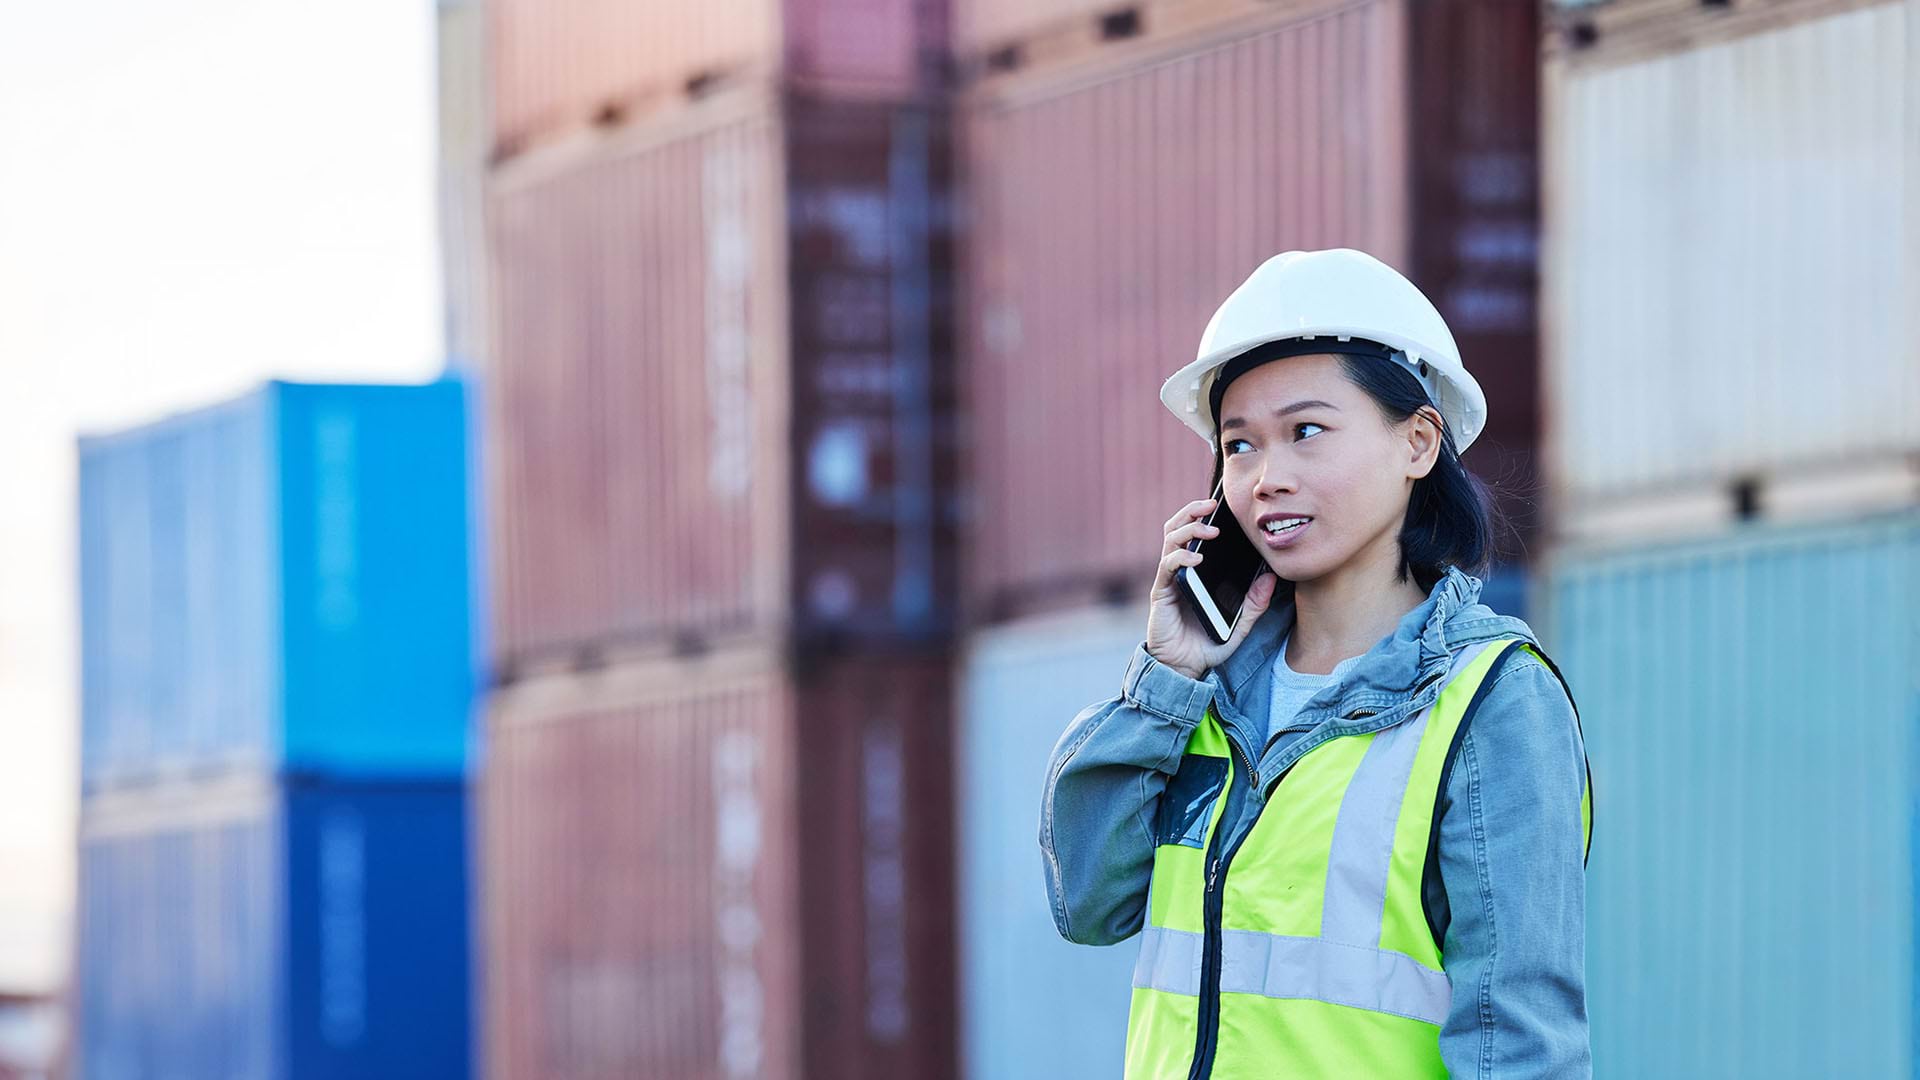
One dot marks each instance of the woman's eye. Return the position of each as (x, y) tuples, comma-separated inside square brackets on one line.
[(1306, 424), (1231, 443)]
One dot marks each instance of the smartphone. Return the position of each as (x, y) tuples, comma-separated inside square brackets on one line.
[(1217, 588)]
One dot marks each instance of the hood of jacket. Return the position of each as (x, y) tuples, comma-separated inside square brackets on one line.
[(1387, 676)]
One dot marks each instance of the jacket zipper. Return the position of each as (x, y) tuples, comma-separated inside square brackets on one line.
[(1209, 1026)]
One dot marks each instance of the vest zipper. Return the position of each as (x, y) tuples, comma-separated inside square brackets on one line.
[(1209, 1026)]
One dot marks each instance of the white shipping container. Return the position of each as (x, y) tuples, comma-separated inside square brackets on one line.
[(1033, 1005), (1731, 249)]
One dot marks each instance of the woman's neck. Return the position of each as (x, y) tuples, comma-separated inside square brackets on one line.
[(1342, 614)]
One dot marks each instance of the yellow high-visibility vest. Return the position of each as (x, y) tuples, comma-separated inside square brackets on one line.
[(1304, 950)]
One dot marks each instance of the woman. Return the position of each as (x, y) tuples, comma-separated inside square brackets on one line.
[(1353, 835)]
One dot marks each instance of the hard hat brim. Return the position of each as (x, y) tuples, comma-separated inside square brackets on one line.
[(1462, 404)]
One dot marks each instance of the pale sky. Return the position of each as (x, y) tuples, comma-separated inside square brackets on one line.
[(193, 196)]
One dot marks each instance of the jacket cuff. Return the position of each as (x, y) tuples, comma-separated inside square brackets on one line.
[(1157, 688)]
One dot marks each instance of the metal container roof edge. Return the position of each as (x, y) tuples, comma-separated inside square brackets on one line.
[(1626, 31), (175, 419), (1059, 32), (1224, 25), (561, 155)]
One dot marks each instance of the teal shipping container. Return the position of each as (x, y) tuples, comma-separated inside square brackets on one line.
[(1750, 704), (1034, 1006), (278, 582)]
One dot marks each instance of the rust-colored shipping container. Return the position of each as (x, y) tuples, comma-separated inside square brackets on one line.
[(709, 867), (1118, 195), (560, 65), (634, 386), (721, 392)]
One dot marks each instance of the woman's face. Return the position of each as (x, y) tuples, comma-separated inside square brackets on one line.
[(1298, 438)]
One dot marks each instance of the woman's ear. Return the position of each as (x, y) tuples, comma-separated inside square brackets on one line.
[(1423, 441)]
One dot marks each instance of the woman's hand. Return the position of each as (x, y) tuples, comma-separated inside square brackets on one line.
[(1174, 634)]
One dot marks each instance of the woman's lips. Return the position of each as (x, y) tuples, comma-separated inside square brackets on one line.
[(1286, 538)]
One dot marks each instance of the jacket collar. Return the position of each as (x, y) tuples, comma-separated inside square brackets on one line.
[(1422, 644)]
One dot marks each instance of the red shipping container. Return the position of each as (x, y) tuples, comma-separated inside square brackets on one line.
[(712, 868), (563, 64), (720, 398), (1116, 204)]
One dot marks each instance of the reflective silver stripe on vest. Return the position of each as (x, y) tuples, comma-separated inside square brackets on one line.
[(1278, 966), (1300, 967), (1362, 855), (1169, 960)]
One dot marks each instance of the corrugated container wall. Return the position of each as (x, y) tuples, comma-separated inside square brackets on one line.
[(720, 399), (1735, 256), (248, 929), (564, 64), (1750, 706), (463, 143), (705, 868), (277, 582), (1033, 1006), (1116, 202)]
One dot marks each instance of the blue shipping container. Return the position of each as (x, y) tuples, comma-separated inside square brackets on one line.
[(280, 582), (1750, 705), (260, 930)]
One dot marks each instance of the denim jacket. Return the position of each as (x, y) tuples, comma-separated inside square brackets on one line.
[(1512, 894)]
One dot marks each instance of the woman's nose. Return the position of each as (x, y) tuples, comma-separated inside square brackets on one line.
[(1275, 477)]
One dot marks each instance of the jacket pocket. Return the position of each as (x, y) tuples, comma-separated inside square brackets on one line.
[(1182, 816)]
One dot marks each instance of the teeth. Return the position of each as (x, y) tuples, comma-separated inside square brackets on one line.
[(1283, 526)]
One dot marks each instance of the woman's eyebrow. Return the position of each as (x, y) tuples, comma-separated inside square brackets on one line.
[(1235, 421)]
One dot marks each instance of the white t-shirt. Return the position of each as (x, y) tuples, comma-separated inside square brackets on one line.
[(1291, 688)]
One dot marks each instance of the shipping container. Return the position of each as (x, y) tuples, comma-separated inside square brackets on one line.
[(721, 398), (1750, 707), (1734, 269), (278, 582), (1033, 1006), (1115, 201), (255, 929), (713, 867), (561, 66)]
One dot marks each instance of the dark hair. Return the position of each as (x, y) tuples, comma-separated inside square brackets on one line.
[(1452, 518)]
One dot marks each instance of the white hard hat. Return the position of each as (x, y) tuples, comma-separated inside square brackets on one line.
[(1331, 297)]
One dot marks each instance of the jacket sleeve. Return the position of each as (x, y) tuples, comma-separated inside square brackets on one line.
[(1104, 780), (1512, 861)]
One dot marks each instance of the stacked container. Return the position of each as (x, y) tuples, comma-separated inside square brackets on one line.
[(719, 473), (275, 688), (1126, 168), (1734, 276)]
